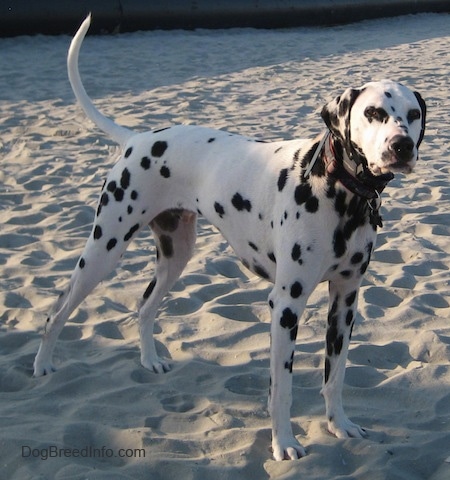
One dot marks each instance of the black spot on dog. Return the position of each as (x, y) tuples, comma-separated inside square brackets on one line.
[(296, 252), (347, 273), (363, 268), (82, 263), (352, 224), (131, 232), (327, 370), (331, 338), (282, 179), (388, 94), (166, 245), (104, 200), (339, 202), (128, 152), (290, 363), (118, 195), (331, 187), (165, 172), (125, 179), (253, 246), (349, 318), (98, 232), (303, 195), (129, 210), (338, 344), (219, 209), (339, 243), (343, 107), (289, 320), (295, 158), (134, 195), (272, 258), (149, 289), (112, 186), (333, 309), (111, 244), (357, 258), (350, 298), (158, 149), (239, 203), (211, 140), (296, 289), (271, 304), (145, 163), (312, 204)]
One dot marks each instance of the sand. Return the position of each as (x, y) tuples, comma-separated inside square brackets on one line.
[(207, 419)]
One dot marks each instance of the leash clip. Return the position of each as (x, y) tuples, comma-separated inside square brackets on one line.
[(374, 211)]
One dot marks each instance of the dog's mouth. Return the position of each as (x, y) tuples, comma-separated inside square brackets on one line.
[(392, 165), (399, 157)]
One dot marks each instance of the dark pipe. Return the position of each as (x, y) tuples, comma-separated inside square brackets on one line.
[(29, 17)]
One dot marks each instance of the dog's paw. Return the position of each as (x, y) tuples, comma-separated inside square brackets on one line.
[(344, 428), (287, 448), (156, 365), (41, 369)]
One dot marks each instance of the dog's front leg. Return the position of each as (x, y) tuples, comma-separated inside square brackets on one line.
[(341, 317), (285, 316)]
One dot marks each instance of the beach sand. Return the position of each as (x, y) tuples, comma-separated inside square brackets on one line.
[(207, 419)]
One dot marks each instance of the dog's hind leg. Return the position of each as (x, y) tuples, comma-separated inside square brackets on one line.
[(175, 235), (108, 240), (93, 266)]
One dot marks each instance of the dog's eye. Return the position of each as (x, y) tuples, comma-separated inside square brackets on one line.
[(413, 114), (373, 113)]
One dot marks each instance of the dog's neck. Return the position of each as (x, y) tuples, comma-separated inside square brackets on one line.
[(354, 175)]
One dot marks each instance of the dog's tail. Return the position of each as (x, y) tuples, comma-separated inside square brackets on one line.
[(116, 132)]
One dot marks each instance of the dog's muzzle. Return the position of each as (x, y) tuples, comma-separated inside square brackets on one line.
[(400, 155)]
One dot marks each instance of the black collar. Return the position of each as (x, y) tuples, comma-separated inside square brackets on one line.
[(354, 176)]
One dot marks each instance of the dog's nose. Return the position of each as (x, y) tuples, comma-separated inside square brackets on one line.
[(402, 147)]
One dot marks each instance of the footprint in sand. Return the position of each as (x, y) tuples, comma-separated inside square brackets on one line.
[(180, 403)]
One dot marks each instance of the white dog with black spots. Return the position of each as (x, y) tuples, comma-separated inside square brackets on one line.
[(295, 212)]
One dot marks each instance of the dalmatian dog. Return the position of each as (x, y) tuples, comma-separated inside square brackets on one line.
[(296, 213)]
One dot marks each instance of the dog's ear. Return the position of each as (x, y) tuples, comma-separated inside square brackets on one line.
[(336, 114), (423, 107)]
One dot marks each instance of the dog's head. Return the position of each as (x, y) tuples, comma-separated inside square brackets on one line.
[(380, 125)]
